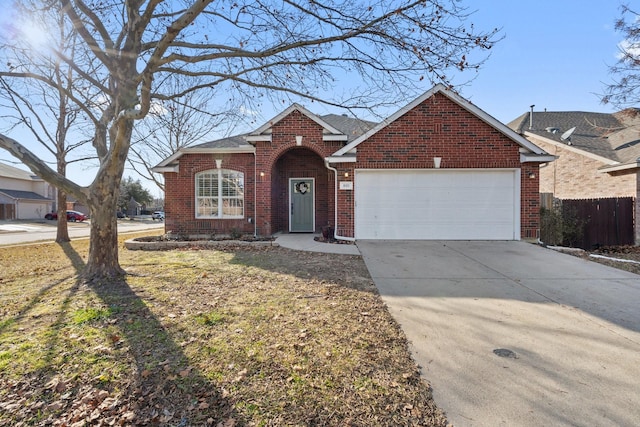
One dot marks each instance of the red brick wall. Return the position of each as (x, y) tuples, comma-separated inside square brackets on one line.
[(440, 128), (346, 199), (436, 128), (276, 162), (272, 187), (180, 216), (300, 163), (530, 201)]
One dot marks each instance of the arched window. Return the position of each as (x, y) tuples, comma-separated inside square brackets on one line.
[(220, 194)]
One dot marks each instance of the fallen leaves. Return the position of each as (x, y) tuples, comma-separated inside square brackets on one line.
[(214, 338)]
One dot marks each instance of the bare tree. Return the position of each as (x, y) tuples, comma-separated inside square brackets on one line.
[(246, 49), (624, 90), (172, 125), (45, 111)]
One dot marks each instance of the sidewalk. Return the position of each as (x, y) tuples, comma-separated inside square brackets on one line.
[(306, 242)]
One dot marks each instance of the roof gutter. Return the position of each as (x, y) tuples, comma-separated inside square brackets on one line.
[(620, 167), (168, 162), (536, 158)]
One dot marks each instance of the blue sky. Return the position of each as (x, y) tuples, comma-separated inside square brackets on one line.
[(555, 54)]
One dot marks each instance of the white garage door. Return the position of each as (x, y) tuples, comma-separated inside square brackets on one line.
[(452, 204), (31, 209)]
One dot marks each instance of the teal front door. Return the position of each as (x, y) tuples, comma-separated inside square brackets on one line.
[(301, 205)]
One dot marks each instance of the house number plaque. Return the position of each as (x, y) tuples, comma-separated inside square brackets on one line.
[(346, 185)]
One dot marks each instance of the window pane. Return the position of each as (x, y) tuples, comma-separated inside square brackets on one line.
[(220, 193), (232, 184), (207, 185), (233, 207), (207, 207)]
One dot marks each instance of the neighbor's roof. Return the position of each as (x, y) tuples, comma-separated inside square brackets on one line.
[(613, 136), (15, 173), (28, 195)]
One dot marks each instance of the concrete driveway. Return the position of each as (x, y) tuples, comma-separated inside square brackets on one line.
[(512, 334)]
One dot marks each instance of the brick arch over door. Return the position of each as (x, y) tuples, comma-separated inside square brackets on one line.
[(300, 163)]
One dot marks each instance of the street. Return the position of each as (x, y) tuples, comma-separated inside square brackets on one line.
[(19, 232)]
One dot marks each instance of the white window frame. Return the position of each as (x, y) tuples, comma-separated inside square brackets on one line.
[(219, 198)]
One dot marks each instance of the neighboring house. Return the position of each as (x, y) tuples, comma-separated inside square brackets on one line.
[(76, 205), (134, 208), (23, 195), (598, 154), (439, 168)]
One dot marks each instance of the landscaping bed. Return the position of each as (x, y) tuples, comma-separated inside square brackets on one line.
[(621, 257), (615, 256)]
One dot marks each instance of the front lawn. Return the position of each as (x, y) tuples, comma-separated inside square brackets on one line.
[(240, 336)]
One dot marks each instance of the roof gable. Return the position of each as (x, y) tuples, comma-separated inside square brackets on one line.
[(463, 103), (263, 133)]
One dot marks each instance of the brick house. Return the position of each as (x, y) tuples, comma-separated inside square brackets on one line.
[(439, 168), (597, 154)]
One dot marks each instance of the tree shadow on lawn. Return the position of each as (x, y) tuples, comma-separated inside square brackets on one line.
[(348, 271), (150, 379)]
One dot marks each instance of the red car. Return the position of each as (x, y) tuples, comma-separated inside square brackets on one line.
[(72, 216)]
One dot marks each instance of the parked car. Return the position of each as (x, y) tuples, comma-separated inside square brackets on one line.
[(120, 214), (159, 215), (72, 216)]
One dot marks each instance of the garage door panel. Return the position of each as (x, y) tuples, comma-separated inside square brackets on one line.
[(437, 204)]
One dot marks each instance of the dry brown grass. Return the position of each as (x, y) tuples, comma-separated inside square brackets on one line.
[(241, 336)]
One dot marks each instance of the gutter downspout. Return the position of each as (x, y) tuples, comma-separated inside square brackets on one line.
[(255, 195), (335, 205)]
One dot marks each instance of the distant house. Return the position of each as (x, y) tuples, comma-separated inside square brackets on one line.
[(598, 154), (75, 205), (134, 208), (23, 195), (438, 168)]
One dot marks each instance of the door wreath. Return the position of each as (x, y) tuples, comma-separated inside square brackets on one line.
[(302, 187)]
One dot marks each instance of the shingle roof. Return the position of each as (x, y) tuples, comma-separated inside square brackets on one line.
[(613, 136), (229, 142), (17, 194), (11, 172), (349, 126)]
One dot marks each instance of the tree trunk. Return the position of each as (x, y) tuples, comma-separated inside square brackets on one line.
[(103, 260), (62, 231)]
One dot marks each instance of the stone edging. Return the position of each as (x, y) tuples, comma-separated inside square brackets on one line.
[(135, 245)]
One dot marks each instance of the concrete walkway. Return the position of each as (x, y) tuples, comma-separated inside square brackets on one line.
[(512, 334), (306, 242)]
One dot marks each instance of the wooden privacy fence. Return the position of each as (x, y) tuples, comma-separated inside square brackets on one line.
[(599, 222)]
